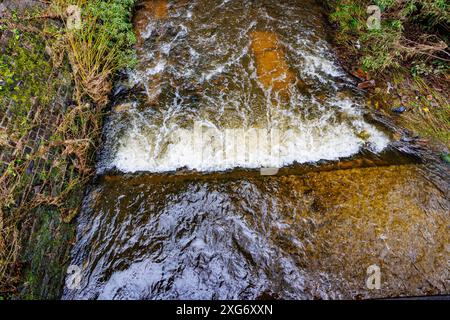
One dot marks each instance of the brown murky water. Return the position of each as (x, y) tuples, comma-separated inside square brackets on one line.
[(158, 225)]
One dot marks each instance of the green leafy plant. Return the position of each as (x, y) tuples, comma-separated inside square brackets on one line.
[(393, 44)]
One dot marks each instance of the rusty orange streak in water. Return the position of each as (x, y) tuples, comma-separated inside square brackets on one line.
[(160, 10), (271, 65), (154, 9)]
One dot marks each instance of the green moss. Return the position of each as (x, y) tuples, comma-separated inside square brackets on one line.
[(22, 70)]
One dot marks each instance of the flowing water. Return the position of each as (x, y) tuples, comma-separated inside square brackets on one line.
[(182, 208)]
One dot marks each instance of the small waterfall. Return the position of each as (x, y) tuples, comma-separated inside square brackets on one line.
[(240, 85)]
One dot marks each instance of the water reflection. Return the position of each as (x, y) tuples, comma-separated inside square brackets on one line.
[(309, 236), (311, 231)]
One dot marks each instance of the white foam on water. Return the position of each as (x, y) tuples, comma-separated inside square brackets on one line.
[(205, 148)]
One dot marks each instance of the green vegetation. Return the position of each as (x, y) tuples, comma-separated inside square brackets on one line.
[(43, 251), (115, 17), (101, 46), (22, 69), (54, 85)]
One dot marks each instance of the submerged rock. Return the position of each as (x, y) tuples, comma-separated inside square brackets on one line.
[(272, 69), (298, 237)]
